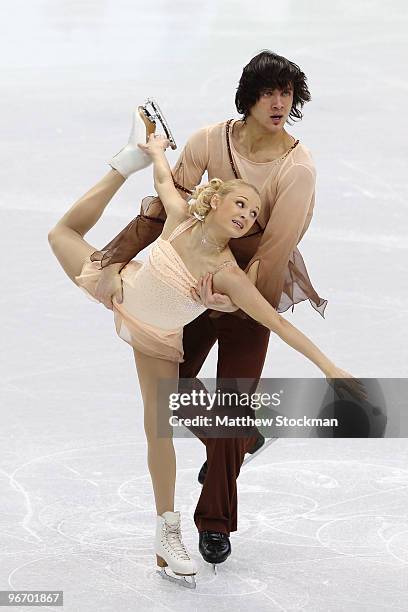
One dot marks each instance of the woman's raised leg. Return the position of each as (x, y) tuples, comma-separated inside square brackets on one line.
[(66, 237), (161, 457)]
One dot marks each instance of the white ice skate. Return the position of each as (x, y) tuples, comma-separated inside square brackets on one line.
[(131, 158), (172, 557)]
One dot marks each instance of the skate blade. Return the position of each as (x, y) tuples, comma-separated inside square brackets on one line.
[(153, 113), (184, 581), (215, 569), (260, 450)]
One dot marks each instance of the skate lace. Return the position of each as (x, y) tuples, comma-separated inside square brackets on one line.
[(173, 536)]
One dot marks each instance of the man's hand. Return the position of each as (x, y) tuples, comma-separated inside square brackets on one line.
[(203, 293), (109, 286)]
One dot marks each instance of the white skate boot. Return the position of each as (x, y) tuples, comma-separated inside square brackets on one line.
[(131, 158), (172, 557)]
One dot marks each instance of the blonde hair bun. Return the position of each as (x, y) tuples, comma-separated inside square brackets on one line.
[(199, 202)]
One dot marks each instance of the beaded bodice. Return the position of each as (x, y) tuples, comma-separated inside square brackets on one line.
[(161, 286)]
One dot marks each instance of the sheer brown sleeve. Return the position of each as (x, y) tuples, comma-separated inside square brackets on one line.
[(137, 235), (282, 276), (148, 225)]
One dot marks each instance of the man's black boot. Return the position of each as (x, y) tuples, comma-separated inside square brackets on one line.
[(214, 546), (258, 444)]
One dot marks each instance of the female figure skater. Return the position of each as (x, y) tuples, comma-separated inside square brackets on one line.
[(159, 298)]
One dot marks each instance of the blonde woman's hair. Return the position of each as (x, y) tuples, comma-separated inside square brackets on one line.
[(199, 203)]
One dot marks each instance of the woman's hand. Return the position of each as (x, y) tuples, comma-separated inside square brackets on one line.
[(203, 293), (109, 286), (156, 143), (343, 382)]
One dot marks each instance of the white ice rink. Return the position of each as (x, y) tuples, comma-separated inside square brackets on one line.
[(322, 524)]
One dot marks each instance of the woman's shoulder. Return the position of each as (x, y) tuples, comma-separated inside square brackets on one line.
[(225, 260), (227, 271), (173, 221), (229, 266)]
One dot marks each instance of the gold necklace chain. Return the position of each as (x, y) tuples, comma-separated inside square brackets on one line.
[(205, 241)]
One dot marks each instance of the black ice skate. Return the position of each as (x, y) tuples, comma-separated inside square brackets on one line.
[(259, 450), (255, 450), (215, 547)]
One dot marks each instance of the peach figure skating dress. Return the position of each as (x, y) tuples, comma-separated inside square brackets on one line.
[(157, 303)]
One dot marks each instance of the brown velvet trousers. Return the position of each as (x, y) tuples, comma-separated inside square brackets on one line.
[(242, 346)]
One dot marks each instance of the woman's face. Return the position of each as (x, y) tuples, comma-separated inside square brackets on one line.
[(277, 102), (236, 212)]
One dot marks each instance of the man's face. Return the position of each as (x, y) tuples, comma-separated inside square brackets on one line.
[(276, 102)]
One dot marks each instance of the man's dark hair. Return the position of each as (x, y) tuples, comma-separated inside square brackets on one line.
[(266, 71)]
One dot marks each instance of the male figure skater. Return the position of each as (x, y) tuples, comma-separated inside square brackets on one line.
[(258, 149)]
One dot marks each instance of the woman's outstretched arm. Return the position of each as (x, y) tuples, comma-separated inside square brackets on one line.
[(235, 283)]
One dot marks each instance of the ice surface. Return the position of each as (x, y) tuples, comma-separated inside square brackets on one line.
[(322, 523)]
